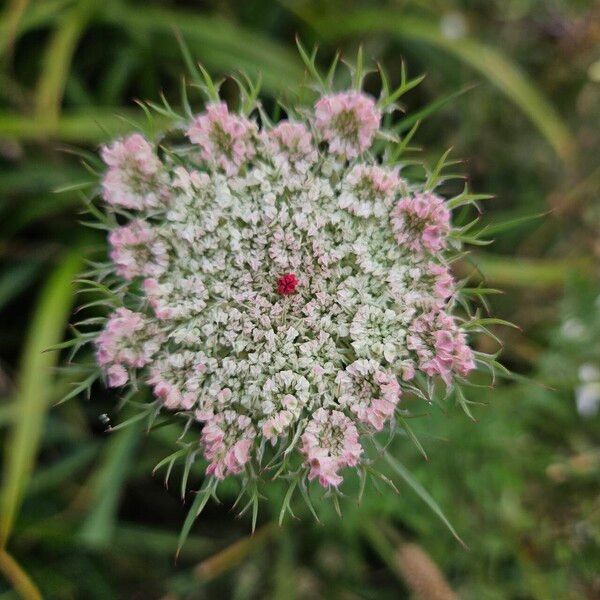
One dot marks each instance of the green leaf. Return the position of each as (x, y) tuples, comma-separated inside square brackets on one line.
[(107, 484), (527, 272), (509, 225), (405, 474), (15, 279), (414, 439), (219, 44), (197, 507), (429, 109), (58, 57), (90, 125), (34, 389)]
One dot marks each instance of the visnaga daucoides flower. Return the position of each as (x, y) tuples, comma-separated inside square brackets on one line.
[(283, 286)]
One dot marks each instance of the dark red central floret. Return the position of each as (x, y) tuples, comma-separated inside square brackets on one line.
[(287, 284)]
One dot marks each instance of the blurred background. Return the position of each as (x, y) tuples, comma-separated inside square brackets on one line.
[(514, 87)]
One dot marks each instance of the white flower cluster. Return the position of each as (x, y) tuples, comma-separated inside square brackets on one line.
[(289, 285)]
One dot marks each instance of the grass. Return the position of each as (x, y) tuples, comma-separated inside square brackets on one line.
[(82, 516)]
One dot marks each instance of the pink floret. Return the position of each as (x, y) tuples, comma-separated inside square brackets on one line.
[(226, 140), (421, 222), (330, 442), (348, 121), (134, 178), (135, 250), (127, 340), (227, 439), (374, 179), (441, 346), (291, 144), (443, 282), (369, 391)]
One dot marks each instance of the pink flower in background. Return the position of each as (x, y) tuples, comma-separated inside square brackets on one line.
[(226, 140), (348, 121), (421, 222)]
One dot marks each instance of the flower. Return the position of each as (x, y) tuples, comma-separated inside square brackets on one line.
[(369, 391), (291, 144), (285, 292), (127, 340), (440, 345), (176, 378), (137, 250), (330, 443), (421, 222), (348, 121), (287, 284), (135, 178), (227, 439), (225, 139)]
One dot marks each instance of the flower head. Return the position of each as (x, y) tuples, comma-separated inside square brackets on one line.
[(279, 287), (227, 440), (369, 391), (137, 250), (348, 121), (128, 340), (291, 144), (135, 178), (330, 442), (225, 139), (421, 222)]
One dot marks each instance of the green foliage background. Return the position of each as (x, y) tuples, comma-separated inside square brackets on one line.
[(513, 86)]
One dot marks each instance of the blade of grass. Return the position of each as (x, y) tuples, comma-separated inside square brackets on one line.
[(15, 279), (13, 13), (405, 474), (7, 412), (510, 224), (217, 43), (89, 126), (491, 63), (107, 484), (18, 578), (37, 14), (233, 555), (284, 573), (57, 59), (432, 107), (528, 272), (33, 388)]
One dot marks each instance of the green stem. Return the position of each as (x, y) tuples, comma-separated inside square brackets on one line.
[(19, 580)]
